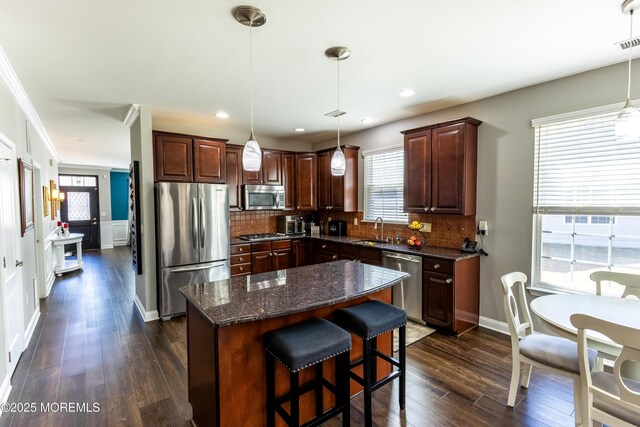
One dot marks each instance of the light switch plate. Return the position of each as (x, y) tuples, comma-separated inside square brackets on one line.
[(103, 214), (426, 227), (355, 221)]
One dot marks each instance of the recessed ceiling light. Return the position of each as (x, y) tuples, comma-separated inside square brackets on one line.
[(407, 92), (222, 115), (299, 129), (367, 120)]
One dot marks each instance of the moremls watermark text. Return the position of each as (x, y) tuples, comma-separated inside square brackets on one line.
[(50, 407)]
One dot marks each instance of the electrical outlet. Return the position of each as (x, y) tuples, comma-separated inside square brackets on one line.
[(355, 221), (426, 227), (103, 214)]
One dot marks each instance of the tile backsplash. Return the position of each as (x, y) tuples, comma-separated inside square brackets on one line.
[(447, 231)]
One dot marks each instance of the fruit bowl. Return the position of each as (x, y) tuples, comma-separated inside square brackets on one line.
[(416, 243)]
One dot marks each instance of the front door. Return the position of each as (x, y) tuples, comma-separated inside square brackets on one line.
[(80, 208), (10, 276)]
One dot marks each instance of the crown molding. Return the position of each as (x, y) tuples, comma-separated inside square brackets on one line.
[(132, 115), (12, 81)]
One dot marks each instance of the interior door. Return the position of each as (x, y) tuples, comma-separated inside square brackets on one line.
[(10, 275), (80, 208)]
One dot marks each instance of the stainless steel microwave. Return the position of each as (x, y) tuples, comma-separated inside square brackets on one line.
[(262, 197)]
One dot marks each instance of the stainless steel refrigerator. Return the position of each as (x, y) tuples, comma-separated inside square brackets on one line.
[(192, 224)]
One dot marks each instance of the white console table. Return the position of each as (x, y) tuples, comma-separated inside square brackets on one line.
[(62, 265)]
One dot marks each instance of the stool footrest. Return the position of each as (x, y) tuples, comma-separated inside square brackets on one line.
[(306, 388), (387, 358), (327, 415), (392, 376)]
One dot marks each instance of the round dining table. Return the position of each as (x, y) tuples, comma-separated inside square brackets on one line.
[(555, 312)]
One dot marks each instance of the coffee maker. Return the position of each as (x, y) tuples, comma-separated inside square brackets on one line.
[(309, 220)]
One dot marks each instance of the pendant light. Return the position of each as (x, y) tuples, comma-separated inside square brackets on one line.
[(251, 17), (628, 121), (338, 162)]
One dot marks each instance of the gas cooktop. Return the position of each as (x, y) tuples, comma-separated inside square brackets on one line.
[(261, 236)]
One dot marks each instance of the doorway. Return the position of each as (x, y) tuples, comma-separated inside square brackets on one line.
[(80, 208)]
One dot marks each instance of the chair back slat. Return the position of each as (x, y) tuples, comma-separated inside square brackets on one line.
[(516, 312), (631, 282)]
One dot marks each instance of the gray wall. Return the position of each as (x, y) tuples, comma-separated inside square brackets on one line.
[(505, 161), (104, 185)]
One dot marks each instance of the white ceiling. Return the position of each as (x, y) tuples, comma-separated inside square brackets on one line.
[(82, 62)]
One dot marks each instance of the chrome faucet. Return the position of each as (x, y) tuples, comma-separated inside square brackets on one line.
[(375, 227)]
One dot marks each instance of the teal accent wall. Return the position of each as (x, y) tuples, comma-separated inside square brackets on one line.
[(119, 195)]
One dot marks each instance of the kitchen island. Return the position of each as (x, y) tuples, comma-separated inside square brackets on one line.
[(227, 319)]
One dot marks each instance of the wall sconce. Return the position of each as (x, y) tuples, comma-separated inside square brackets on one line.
[(55, 199)]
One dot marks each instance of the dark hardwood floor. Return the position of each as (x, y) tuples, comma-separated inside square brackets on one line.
[(90, 345)]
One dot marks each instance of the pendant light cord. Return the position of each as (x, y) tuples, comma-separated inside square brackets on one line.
[(630, 48), (339, 112), (251, 71)]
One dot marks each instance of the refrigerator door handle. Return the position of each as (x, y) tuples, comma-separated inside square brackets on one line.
[(195, 267), (194, 226), (203, 223)]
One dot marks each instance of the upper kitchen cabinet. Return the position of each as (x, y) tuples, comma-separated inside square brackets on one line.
[(306, 185), (270, 172), (338, 192), (173, 158), (234, 174), (289, 180), (441, 167), (187, 159), (209, 164)]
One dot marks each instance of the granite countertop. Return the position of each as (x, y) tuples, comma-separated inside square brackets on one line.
[(278, 293), (429, 251)]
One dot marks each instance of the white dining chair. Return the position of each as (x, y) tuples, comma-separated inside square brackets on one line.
[(631, 282), (551, 353), (609, 398)]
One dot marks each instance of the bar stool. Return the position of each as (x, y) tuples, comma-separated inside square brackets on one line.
[(300, 346), (368, 320)]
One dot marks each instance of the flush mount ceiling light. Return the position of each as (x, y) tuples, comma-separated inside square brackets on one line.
[(299, 129), (628, 121), (367, 120), (407, 92), (338, 162), (222, 115), (251, 17)]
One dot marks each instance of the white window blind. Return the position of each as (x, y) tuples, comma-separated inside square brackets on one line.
[(580, 167), (384, 185)]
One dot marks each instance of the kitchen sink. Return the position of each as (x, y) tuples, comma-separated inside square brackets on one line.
[(371, 242)]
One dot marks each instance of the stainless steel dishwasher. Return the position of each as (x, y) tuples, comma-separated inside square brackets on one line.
[(408, 295)]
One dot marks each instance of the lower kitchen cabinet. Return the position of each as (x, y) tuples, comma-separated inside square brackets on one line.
[(325, 251), (270, 256), (299, 252), (451, 293), (240, 259)]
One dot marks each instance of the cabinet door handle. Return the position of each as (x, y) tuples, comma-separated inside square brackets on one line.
[(436, 266), (433, 209), (334, 257), (270, 253), (426, 209), (240, 259), (324, 246), (240, 268), (239, 249), (449, 281)]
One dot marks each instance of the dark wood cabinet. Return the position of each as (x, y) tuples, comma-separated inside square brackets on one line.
[(173, 158), (184, 158), (289, 180), (233, 173), (209, 164), (324, 251), (240, 259), (306, 170), (338, 192), (450, 293), (298, 253), (271, 167), (441, 168), (250, 177), (270, 256)]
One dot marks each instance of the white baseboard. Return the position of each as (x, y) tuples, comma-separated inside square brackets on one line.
[(106, 246), (5, 389), (147, 316), (494, 325), (32, 326)]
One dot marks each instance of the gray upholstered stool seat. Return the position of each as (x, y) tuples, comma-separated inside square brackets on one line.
[(307, 343), (559, 353), (370, 319), (301, 346)]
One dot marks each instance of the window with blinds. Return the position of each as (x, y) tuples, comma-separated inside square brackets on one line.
[(586, 201), (580, 167), (384, 185)]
